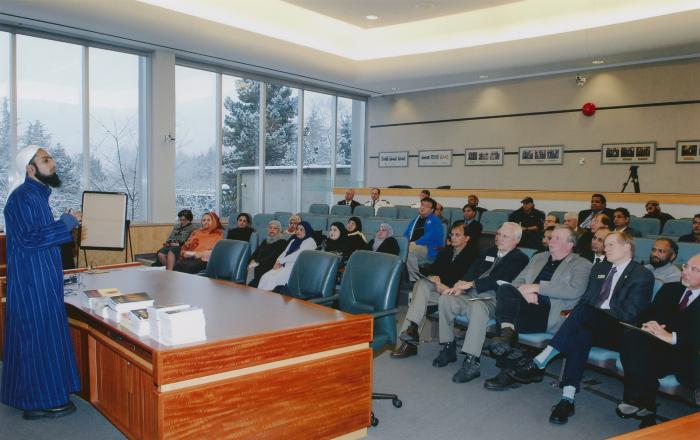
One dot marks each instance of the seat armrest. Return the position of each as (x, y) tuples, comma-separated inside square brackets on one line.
[(384, 313), (326, 300)]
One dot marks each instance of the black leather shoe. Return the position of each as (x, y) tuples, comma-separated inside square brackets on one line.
[(50, 413), (503, 344), (404, 350), (447, 355), (527, 373), (562, 411), (470, 369), (411, 334), (500, 382)]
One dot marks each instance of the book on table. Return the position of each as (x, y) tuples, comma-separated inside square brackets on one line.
[(130, 301), (137, 321), (94, 299), (181, 326)]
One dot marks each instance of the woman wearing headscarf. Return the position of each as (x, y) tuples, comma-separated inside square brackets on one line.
[(337, 239), (267, 252), (279, 274), (195, 253), (293, 222), (356, 240), (242, 231), (384, 240)]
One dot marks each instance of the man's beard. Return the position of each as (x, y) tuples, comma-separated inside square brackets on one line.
[(656, 263), (51, 180)]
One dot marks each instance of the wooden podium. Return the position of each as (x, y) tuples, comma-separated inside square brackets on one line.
[(271, 366)]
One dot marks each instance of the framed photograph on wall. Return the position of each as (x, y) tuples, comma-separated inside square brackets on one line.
[(541, 155), (393, 159), (687, 151), (435, 158), (630, 152), (483, 156)]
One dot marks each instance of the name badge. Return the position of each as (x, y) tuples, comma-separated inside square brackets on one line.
[(601, 276), (490, 259)]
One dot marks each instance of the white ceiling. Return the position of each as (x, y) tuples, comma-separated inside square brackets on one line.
[(326, 42)]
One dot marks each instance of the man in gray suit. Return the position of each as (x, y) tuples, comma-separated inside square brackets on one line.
[(551, 283)]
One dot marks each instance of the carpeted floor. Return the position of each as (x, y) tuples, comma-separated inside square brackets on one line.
[(433, 407)]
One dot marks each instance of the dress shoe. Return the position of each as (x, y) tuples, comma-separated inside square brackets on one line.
[(404, 350), (503, 344), (626, 410), (447, 355), (501, 382), (470, 369), (562, 411), (49, 413), (528, 372), (410, 335)]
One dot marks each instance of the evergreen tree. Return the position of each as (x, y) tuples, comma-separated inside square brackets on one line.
[(344, 156), (4, 153), (37, 135), (316, 141)]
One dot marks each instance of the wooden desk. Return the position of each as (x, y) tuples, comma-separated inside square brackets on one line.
[(271, 367), (678, 429)]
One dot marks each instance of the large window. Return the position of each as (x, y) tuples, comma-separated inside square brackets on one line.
[(350, 135), (196, 151), (241, 145), (318, 148), (4, 120)]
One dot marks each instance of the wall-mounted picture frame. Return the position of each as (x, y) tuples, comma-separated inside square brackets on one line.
[(541, 155), (393, 159), (483, 157), (688, 151), (628, 152), (435, 158)]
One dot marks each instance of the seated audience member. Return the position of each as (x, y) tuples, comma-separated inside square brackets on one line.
[(450, 265), (550, 220), (531, 220), (621, 220), (280, 272), (424, 193), (242, 231), (195, 252), (546, 236), (356, 239), (475, 227), (264, 257), (673, 318), (425, 235), (384, 241), (550, 284), (618, 290), (374, 200), (337, 239), (473, 199), (663, 254), (583, 243), (598, 206), (598, 245), (294, 220), (349, 199), (694, 236), (499, 263), (438, 213), (178, 236), (571, 220), (654, 211)]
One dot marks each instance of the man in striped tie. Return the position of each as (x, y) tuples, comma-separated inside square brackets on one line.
[(39, 370), (673, 320)]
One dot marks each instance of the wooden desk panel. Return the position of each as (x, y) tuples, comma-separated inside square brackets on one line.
[(679, 429)]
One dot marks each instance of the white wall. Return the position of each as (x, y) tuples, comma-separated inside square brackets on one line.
[(638, 85)]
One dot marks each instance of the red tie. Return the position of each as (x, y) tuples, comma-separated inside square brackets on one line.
[(684, 302)]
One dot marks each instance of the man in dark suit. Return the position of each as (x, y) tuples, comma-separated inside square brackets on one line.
[(449, 266), (470, 213), (349, 199), (694, 236), (598, 206), (674, 318), (583, 243), (621, 220), (473, 199), (501, 262), (618, 290)]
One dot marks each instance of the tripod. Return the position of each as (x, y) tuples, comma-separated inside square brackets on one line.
[(634, 177)]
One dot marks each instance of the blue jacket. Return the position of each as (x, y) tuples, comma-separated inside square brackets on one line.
[(433, 237)]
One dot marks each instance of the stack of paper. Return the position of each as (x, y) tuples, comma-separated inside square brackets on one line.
[(181, 326), (130, 301), (136, 321), (95, 299)]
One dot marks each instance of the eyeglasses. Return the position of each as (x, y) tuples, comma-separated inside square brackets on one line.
[(694, 269)]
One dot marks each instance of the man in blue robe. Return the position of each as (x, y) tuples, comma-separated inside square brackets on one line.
[(39, 369)]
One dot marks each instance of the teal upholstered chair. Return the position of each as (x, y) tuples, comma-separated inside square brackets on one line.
[(261, 220), (313, 276), (407, 212), (492, 220), (339, 210), (646, 226), (228, 261), (370, 285), (677, 227), (318, 208), (388, 211), (363, 211)]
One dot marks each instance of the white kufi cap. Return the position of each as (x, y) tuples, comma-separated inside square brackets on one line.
[(19, 171)]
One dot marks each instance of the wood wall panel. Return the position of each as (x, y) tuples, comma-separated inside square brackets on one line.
[(185, 364), (144, 238), (250, 406)]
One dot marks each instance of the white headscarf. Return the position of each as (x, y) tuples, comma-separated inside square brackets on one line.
[(19, 171)]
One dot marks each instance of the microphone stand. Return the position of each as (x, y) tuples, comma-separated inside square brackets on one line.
[(634, 177)]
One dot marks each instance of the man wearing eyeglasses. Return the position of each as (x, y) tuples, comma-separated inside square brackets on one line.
[(672, 346)]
